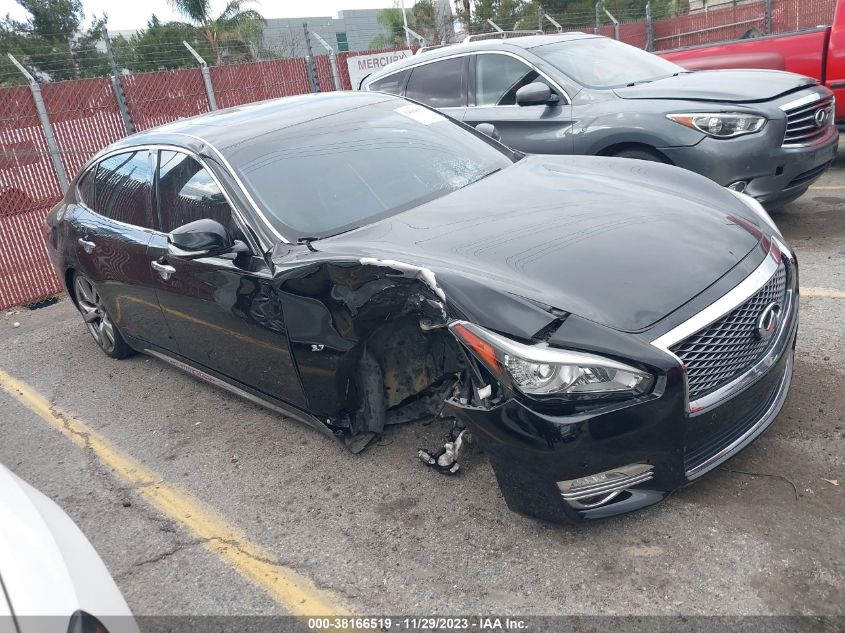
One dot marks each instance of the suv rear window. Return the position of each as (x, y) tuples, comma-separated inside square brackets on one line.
[(439, 84), (391, 84)]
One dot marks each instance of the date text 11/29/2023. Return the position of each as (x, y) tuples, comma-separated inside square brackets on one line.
[(418, 623)]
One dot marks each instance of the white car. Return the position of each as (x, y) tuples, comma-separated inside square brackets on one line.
[(48, 568)]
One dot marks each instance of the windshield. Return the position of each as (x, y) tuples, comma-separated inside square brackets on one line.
[(598, 62), (345, 170)]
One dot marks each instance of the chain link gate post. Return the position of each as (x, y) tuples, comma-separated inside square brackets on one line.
[(598, 18), (615, 24), (52, 145), (332, 62), (206, 77), (117, 86), (649, 28), (311, 67), (767, 22)]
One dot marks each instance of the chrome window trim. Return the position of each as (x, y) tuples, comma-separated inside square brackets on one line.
[(545, 76), (727, 303), (258, 248), (746, 438)]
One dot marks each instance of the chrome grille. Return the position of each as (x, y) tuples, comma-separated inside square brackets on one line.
[(801, 126), (727, 347)]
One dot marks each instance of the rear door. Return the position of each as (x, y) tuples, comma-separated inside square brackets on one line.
[(113, 225), (494, 79), (225, 312), (441, 84)]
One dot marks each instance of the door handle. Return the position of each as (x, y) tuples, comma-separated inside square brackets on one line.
[(87, 244), (165, 270)]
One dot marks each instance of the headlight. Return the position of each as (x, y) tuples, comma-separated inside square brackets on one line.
[(721, 124), (757, 209), (548, 371)]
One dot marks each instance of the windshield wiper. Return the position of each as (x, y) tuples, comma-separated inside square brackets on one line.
[(489, 173), (648, 81), (307, 241)]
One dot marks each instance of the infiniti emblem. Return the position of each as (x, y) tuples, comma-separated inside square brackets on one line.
[(768, 321), (820, 117)]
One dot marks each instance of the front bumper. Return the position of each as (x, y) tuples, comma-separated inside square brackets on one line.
[(774, 174), (536, 456)]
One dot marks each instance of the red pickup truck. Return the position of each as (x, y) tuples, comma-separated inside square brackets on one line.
[(817, 52)]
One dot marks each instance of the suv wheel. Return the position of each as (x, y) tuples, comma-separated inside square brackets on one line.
[(640, 154)]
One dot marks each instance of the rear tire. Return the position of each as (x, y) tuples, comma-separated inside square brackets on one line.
[(97, 320), (640, 154)]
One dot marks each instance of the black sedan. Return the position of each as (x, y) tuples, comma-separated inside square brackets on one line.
[(608, 330)]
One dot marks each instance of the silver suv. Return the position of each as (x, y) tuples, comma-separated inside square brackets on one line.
[(769, 134)]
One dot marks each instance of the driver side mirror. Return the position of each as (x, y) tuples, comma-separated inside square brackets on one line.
[(203, 238), (536, 93)]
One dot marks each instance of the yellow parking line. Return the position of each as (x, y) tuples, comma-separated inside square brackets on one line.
[(823, 292), (826, 187), (296, 593)]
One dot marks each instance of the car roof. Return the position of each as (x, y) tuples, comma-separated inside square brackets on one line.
[(508, 44), (239, 124)]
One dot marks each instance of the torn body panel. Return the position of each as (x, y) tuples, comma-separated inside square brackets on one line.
[(370, 343)]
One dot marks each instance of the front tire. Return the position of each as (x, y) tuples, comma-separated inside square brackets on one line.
[(97, 319), (640, 154)]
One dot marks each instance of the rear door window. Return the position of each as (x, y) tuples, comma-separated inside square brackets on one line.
[(123, 187), (391, 84), (439, 84)]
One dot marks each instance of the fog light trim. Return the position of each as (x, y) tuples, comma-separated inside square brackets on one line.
[(596, 490)]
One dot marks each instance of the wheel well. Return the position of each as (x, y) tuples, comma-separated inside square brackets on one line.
[(623, 147)]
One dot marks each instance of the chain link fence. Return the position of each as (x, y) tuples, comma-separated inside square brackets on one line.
[(49, 129)]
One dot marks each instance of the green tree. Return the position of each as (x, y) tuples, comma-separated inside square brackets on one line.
[(422, 18), (52, 42), (220, 32), (160, 47), (393, 23)]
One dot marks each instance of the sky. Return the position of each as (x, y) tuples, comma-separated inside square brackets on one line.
[(131, 14)]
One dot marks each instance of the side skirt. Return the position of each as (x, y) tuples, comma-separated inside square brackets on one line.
[(288, 412)]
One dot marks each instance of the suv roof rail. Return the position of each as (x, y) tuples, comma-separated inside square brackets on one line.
[(500, 35), (423, 49)]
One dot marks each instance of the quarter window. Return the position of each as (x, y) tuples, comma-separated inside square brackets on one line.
[(392, 84), (498, 77), (86, 188), (187, 192), (122, 187), (439, 84)]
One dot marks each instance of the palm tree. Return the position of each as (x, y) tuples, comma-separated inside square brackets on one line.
[(235, 17)]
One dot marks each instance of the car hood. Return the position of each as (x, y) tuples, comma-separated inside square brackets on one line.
[(48, 567), (731, 86), (618, 241)]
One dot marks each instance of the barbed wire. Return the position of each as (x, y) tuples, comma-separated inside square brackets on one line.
[(285, 41)]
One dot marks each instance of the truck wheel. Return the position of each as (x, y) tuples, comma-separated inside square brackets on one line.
[(640, 154)]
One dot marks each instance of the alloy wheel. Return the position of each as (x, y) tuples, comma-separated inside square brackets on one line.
[(94, 314)]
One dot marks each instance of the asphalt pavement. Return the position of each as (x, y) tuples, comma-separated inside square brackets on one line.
[(378, 533)]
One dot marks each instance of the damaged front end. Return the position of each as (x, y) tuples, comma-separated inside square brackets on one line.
[(380, 342)]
